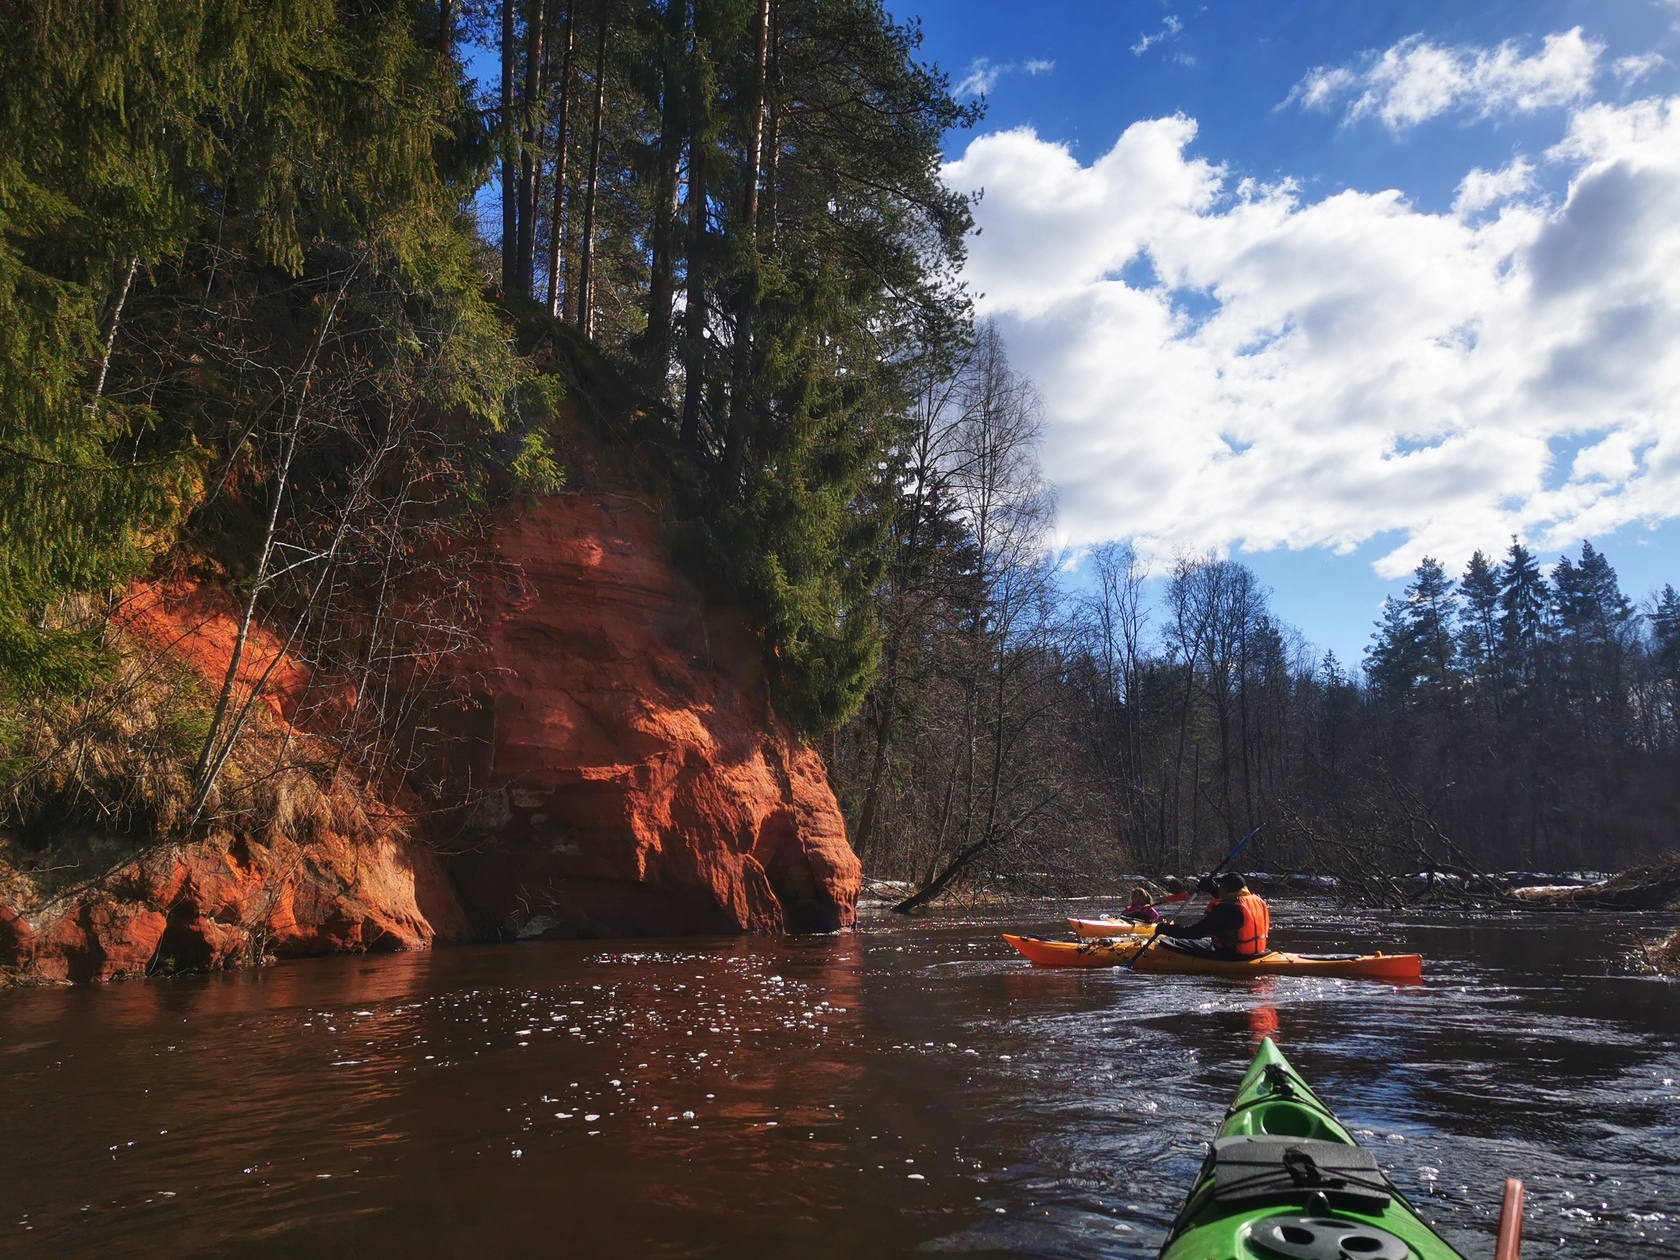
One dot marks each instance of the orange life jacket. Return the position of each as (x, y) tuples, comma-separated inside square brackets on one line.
[(1250, 937)]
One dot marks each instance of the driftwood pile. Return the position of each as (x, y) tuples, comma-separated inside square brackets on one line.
[(1664, 956), (1654, 887)]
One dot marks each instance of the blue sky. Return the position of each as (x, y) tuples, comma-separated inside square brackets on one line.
[(1331, 286)]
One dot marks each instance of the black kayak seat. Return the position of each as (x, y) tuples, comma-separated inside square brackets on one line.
[(1249, 1170)]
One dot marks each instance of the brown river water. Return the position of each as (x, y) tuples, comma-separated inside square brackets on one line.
[(908, 1089)]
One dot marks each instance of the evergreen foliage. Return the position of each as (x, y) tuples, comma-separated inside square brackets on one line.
[(244, 326), (249, 327), (192, 194), (740, 202)]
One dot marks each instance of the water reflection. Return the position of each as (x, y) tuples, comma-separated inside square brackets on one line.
[(912, 1087)]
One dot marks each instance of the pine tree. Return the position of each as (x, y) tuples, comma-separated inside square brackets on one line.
[(1413, 657), (1592, 630), (752, 225), (234, 261), (1665, 635), (1523, 599), (1391, 661), (1432, 604), (1478, 627)]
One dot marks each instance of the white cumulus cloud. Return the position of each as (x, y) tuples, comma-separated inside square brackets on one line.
[(1416, 80), (1480, 189), (1235, 366), (983, 73), (1634, 68)]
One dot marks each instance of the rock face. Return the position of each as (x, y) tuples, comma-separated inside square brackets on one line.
[(218, 904), (344, 873), (637, 781), (627, 777)]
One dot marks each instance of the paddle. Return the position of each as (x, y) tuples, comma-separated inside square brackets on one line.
[(1232, 855), (1229, 858), (1509, 1245)]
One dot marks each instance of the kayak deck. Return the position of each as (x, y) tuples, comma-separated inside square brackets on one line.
[(1091, 953), (1144, 954), (1284, 1178), (1110, 927), (1161, 960)]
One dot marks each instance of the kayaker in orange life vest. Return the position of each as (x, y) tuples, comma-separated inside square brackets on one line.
[(1235, 926)]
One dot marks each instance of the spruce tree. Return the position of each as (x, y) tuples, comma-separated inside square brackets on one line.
[(1523, 599), (1413, 657), (207, 213), (1665, 635), (1478, 625)]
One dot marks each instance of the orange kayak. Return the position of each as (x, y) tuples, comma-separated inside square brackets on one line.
[(1159, 960), (1044, 953), (1110, 927)]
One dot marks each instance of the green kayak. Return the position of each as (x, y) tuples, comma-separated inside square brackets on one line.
[(1285, 1181)]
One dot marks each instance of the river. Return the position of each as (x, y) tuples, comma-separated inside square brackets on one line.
[(908, 1089)]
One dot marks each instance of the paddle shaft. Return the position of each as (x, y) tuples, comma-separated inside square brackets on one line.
[(1509, 1246), (1230, 857)]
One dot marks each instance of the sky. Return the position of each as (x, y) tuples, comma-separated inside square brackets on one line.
[(1330, 287)]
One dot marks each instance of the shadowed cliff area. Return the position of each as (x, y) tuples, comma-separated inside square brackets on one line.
[(597, 754), (371, 580)]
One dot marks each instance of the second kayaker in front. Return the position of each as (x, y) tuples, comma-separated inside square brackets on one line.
[(1236, 926), (1142, 908)]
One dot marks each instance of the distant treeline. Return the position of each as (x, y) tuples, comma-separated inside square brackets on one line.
[(1023, 732)]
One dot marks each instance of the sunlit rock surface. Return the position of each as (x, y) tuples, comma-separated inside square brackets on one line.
[(616, 771), (634, 778)]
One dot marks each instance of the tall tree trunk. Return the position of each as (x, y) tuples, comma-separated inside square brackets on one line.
[(111, 336), (740, 408), (694, 321), (771, 161), (530, 169), (662, 281), (883, 737), (557, 220), (446, 27), (510, 176), (586, 249)]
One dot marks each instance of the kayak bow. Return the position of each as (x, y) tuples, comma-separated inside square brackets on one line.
[(1284, 1180), (1046, 953)]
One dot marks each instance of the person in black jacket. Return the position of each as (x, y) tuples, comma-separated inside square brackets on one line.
[(1236, 926)]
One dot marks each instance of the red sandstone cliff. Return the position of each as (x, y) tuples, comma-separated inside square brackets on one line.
[(638, 780), (309, 863), (630, 778)]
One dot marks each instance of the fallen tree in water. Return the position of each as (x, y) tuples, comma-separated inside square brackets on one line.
[(1663, 957), (1652, 887)]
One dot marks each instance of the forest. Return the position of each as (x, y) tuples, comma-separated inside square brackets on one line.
[(290, 303), (260, 327), (1051, 722)]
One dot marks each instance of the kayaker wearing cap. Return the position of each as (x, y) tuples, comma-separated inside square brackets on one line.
[(1235, 926)]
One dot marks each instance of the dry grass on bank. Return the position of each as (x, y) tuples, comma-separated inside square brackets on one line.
[(87, 785)]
